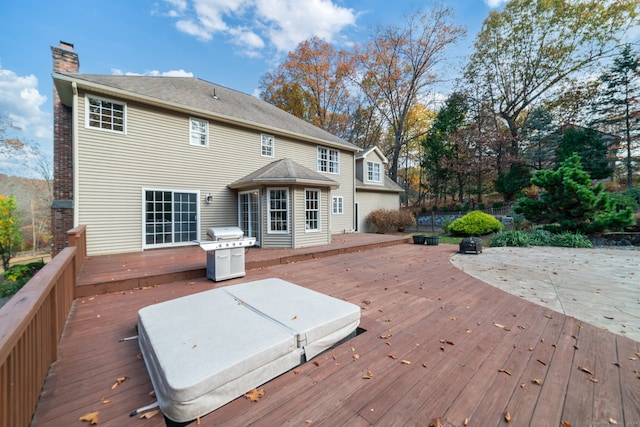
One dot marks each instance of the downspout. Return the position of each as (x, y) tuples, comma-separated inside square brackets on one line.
[(76, 161)]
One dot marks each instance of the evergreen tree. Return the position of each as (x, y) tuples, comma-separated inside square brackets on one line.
[(617, 109), (437, 150), (537, 132), (569, 202), (590, 146)]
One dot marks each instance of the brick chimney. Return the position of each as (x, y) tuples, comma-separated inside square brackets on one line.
[(65, 60)]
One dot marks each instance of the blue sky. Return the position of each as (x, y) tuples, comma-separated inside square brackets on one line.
[(227, 42)]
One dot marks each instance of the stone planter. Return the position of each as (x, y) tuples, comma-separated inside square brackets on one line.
[(432, 240)]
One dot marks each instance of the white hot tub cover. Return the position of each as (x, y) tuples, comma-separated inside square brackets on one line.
[(206, 349)]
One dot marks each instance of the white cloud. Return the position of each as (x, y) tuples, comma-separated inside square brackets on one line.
[(21, 102), (256, 24), (170, 73), (495, 3)]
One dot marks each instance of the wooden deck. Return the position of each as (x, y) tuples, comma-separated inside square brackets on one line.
[(470, 351)]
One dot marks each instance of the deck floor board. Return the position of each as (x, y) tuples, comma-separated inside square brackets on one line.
[(409, 292)]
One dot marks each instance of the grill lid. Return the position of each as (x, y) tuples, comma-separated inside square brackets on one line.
[(225, 233)]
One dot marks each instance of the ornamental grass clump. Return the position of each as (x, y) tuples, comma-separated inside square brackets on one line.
[(389, 221), (475, 223)]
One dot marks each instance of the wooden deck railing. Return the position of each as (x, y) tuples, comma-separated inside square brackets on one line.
[(31, 324)]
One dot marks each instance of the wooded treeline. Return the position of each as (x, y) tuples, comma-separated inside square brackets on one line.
[(538, 69)]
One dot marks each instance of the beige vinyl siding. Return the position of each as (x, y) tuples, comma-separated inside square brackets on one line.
[(156, 153), (369, 201)]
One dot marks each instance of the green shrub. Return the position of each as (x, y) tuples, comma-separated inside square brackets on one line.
[(388, 221), (510, 238), (446, 223), (568, 239), (540, 237), (481, 206), (475, 223), (17, 276), (423, 209), (497, 205)]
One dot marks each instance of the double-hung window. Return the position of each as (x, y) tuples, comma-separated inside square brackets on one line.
[(337, 205), (373, 172), (278, 210), (198, 132), (328, 160), (105, 114), (266, 145), (312, 210)]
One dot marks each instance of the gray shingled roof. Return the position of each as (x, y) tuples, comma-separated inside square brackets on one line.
[(194, 93), (389, 186), (283, 172)]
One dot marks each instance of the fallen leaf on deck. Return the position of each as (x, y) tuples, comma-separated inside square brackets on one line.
[(308, 421), (540, 361), (393, 356), (454, 318), (315, 362), (119, 381), (585, 370), (613, 421), (608, 317), (368, 376), (296, 372), (104, 401), (436, 423), (633, 358), (507, 417), (254, 394), (537, 381), (356, 356), (466, 422), (566, 423), (149, 414), (504, 371), (498, 325), (593, 380), (406, 362), (91, 418), (523, 385), (468, 331), (198, 421)]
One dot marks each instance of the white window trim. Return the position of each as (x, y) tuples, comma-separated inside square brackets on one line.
[(263, 136), (340, 210), (319, 193), (269, 230), (87, 106), (206, 132), (337, 162), (373, 172)]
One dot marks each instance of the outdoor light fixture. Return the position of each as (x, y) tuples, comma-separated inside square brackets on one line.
[(208, 198)]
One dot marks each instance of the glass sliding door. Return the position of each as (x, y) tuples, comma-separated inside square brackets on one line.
[(171, 218), (249, 214)]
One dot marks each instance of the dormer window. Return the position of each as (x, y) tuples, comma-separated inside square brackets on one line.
[(374, 173)]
